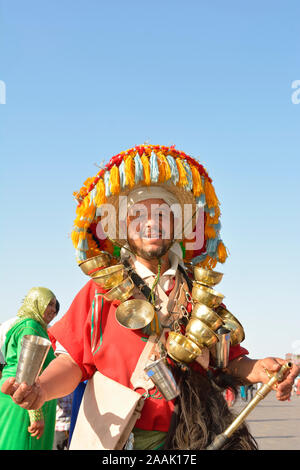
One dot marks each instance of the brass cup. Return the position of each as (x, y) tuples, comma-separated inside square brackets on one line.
[(135, 314), (207, 276), (205, 295), (121, 292), (201, 334), (110, 277), (91, 266), (181, 348), (237, 334), (207, 315)]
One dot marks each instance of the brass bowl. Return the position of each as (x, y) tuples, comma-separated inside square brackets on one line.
[(207, 276), (135, 314), (201, 334), (121, 291), (181, 349), (110, 277), (91, 266), (205, 295), (207, 315), (237, 334)]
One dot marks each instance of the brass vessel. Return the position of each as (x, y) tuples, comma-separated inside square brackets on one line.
[(200, 333), (110, 277), (207, 315), (205, 295), (207, 276), (181, 348), (237, 334), (93, 265), (121, 291), (135, 313)]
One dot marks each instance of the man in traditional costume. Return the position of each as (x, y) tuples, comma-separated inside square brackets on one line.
[(131, 238)]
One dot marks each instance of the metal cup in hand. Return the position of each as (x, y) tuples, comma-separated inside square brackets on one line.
[(32, 357), (162, 377)]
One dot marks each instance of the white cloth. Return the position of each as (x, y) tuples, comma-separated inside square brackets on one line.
[(151, 192), (4, 327)]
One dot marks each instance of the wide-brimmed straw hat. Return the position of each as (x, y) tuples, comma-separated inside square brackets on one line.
[(150, 166)]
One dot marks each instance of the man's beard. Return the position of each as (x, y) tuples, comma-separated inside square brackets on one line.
[(154, 253)]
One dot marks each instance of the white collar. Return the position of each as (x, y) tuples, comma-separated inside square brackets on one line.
[(145, 272)]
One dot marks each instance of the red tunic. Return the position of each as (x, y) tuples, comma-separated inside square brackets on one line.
[(92, 336)]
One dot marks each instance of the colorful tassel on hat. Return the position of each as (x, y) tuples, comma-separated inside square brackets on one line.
[(209, 231), (174, 169), (107, 185), (146, 165), (139, 169), (189, 175), (221, 252), (114, 180), (197, 182), (154, 170), (164, 167), (129, 171), (183, 181), (210, 194), (122, 174)]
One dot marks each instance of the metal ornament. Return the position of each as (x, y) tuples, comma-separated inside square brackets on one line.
[(209, 324)]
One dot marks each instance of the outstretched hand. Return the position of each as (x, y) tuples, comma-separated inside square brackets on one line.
[(30, 397), (265, 367)]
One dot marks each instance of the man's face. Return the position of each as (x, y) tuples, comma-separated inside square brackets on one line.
[(150, 228)]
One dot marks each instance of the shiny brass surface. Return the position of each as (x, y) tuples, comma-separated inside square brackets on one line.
[(120, 292), (207, 276), (135, 314), (110, 277), (231, 322), (181, 349), (205, 295), (207, 315), (200, 333), (91, 265)]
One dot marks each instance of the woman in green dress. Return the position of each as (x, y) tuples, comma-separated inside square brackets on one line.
[(21, 429)]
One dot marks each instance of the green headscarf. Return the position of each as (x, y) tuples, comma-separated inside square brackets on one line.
[(35, 304)]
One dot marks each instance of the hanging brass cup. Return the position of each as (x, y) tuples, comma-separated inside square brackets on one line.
[(135, 314), (121, 291), (207, 315), (110, 277), (93, 265), (200, 333), (205, 295), (181, 348), (237, 334), (207, 276)]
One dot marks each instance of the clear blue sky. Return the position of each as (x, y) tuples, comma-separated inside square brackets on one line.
[(87, 79)]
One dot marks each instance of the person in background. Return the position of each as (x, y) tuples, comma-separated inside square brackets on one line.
[(33, 429), (63, 420)]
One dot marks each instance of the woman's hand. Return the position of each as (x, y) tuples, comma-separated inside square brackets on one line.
[(36, 429), (28, 397)]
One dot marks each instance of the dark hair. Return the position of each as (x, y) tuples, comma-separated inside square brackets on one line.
[(57, 306), (201, 413)]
